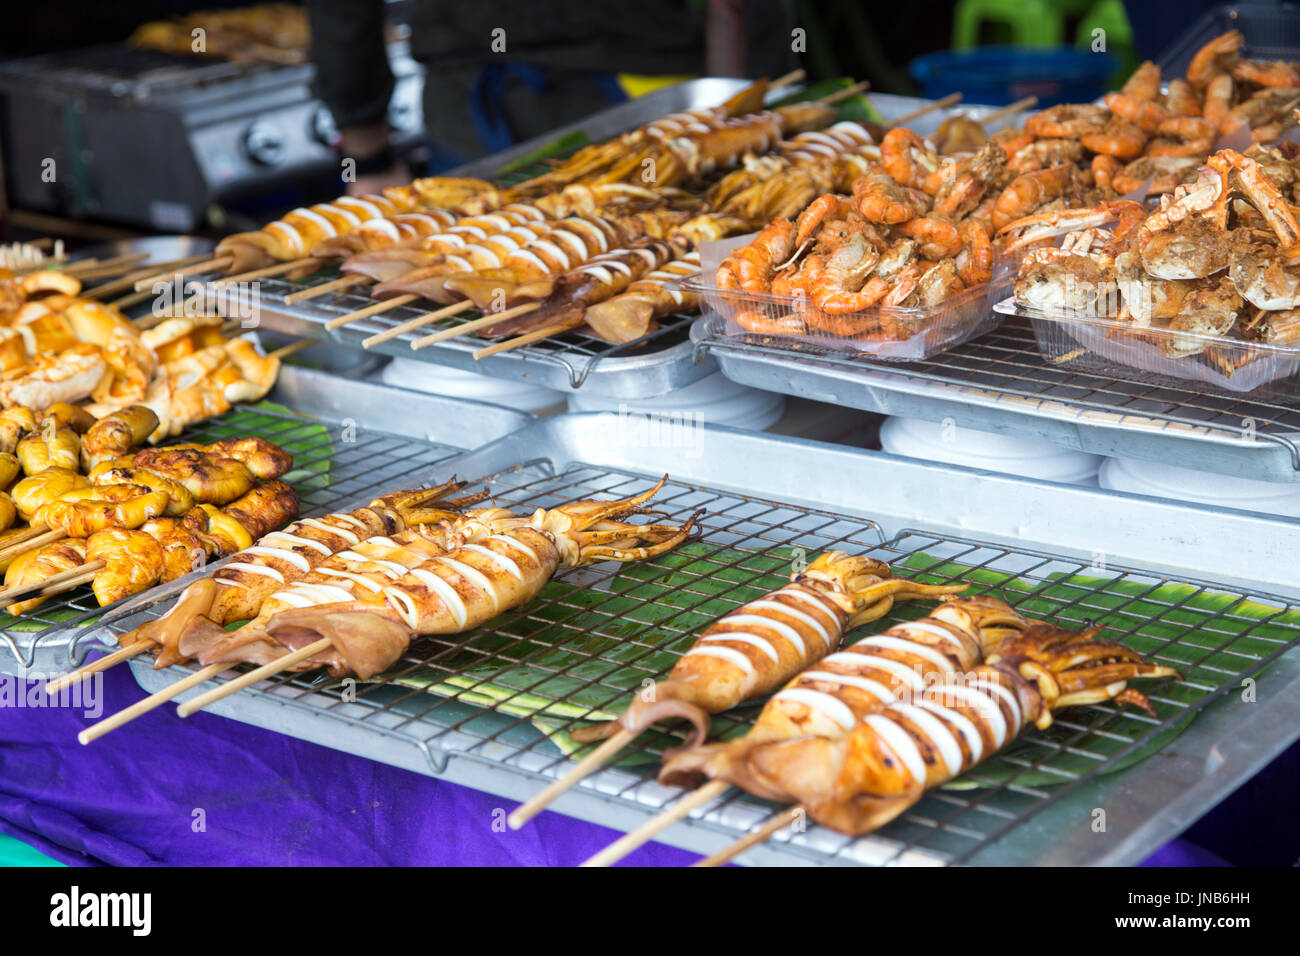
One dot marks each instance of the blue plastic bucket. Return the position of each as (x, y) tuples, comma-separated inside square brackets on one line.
[(1003, 74)]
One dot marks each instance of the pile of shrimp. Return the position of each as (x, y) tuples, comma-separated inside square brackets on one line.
[(916, 230), (1220, 257)]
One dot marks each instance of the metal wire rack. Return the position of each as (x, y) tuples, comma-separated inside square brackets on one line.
[(506, 694), (330, 467), (1007, 363)]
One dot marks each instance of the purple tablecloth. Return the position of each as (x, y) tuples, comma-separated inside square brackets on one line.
[(210, 791)]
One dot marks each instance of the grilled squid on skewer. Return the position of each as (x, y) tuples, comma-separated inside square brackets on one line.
[(826, 699), (884, 763), (454, 592), (632, 313), (755, 648), (237, 590)]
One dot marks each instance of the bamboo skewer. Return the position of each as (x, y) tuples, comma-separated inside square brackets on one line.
[(585, 768), (418, 322), (252, 677), (97, 665), (1010, 109), (474, 325), (383, 306), (338, 285), (646, 832), (54, 584), (528, 338), (284, 351), (848, 92), (204, 265), (773, 826), (129, 300), (152, 269), (791, 78), (950, 100), (278, 269), (33, 537), (153, 701), (108, 267)]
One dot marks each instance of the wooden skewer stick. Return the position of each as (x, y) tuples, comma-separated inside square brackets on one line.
[(769, 829), (284, 351), (97, 665), (129, 300), (646, 832), (1009, 110), (108, 267), (33, 537), (203, 265), (154, 700), (338, 285), (54, 584), (279, 268), (383, 306), (791, 78), (418, 322), (950, 100), (474, 325), (81, 265), (152, 269), (253, 676), (585, 768), (847, 93), (528, 338)]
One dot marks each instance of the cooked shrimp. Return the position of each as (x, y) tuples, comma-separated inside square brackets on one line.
[(939, 238), (1218, 99), (880, 199), (835, 287), (1181, 100), (974, 260), (1118, 138), (1104, 169), (1217, 57), (1145, 114), (1276, 73), (751, 267), (1045, 152), (1026, 193), (907, 158), (1066, 121), (1144, 84), (810, 220)]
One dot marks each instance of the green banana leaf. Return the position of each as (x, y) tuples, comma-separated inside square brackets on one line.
[(578, 654)]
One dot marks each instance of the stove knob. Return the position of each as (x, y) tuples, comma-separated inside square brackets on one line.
[(264, 143), (323, 126)]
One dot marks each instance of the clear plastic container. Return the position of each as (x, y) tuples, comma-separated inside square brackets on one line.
[(1162, 356), (892, 334)]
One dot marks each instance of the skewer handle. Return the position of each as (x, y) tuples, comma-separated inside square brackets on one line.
[(847, 93), (950, 100), (646, 832), (1010, 109), (252, 677), (474, 325), (337, 285), (419, 322), (97, 665), (584, 768), (54, 584), (772, 827), (528, 338), (370, 310), (284, 351), (207, 265), (154, 700)]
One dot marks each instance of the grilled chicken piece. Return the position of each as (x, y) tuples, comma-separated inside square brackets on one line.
[(133, 562), (211, 479), (40, 564)]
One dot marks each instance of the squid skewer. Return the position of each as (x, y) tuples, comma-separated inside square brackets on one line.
[(240, 587), (750, 652), (867, 777), (448, 594), (838, 691)]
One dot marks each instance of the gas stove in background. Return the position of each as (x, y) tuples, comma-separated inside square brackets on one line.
[(156, 140)]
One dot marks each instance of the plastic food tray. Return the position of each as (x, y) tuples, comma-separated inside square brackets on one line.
[(890, 334), (1150, 354)]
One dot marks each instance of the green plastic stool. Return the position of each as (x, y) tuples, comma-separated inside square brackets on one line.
[(16, 853), (1031, 22)]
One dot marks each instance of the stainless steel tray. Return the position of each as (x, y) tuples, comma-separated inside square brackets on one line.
[(1000, 382), (376, 434), (654, 365), (764, 493)]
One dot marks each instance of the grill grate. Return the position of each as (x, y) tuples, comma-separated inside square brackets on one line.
[(507, 693), (576, 353), (331, 468), (1007, 361)]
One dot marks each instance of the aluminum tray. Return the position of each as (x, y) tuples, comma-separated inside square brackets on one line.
[(656, 365), (377, 434), (810, 495), (1001, 383)]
